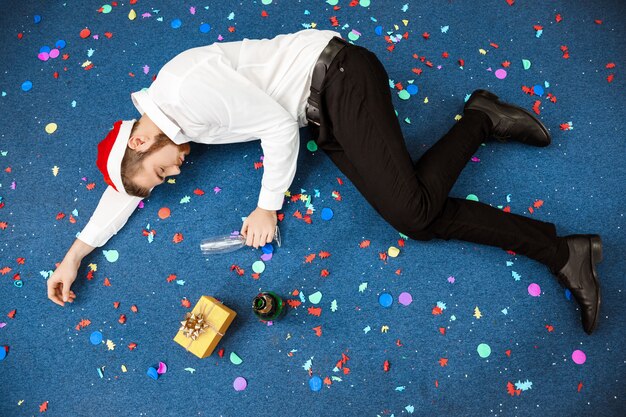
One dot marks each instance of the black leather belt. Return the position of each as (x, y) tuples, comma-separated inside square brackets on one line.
[(319, 71)]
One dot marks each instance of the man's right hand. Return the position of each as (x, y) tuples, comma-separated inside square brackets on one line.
[(60, 282)]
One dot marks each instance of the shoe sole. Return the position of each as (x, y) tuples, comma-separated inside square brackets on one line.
[(491, 96), (595, 248)]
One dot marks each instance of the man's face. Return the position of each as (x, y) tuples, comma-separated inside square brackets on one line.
[(161, 163)]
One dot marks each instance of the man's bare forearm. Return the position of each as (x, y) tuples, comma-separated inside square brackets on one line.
[(78, 251)]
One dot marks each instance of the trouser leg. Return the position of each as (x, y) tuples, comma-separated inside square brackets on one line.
[(361, 134)]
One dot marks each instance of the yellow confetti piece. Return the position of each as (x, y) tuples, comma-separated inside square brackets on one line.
[(477, 313), (171, 181), (93, 267), (425, 100), (396, 26), (457, 117), (110, 344), (123, 368), (132, 15), (51, 128), (393, 251), (482, 51), (55, 170), (384, 329), (406, 22), (20, 402), (313, 25), (86, 64)]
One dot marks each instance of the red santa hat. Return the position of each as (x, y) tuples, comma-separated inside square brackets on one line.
[(111, 152)]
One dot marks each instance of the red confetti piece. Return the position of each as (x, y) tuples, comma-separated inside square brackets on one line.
[(43, 407), (221, 353), (122, 319), (510, 2), (324, 254), (264, 13), (171, 277), (550, 328), (20, 261), (5, 270), (132, 346), (536, 106), (318, 331), (364, 244), (340, 181), (610, 78), (82, 324), (386, 366), (85, 33), (315, 311), (508, 352), (558, 18), (293, 303), (443, 362), (324, 273), (538, 203), (425, 35), (442, 330), (133, 308), (107, 283), (436, 311), (309, 258), (198, 191), (258, 165), (610, 65), (510, 389), (178, 237), (3, 225), (580, 386), (60, 216), (11, 314), (185, 303), (116, 304)]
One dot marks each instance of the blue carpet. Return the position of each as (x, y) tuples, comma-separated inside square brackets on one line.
[(464, 295)]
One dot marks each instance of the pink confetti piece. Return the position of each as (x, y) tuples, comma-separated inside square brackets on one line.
[(192, 10), (146, 69)]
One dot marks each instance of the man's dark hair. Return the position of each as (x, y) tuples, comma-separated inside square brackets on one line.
[(131, 163)]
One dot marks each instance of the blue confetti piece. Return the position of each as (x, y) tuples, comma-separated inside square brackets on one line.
[(378, 30), (60, 44), (45, 49), (95, 338), (538, 90), (568, 294), (176, 23), (205, 28), (37, 18), (27, 85), (152, 373), (315, 383), (267, 248), (327, 213), (385, 299), (412, 89), (3, 353)]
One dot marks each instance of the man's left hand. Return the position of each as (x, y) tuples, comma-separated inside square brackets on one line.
[(259, 227)]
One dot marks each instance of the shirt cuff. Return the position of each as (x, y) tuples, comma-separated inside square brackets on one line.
[(270, 200), (93, 235)]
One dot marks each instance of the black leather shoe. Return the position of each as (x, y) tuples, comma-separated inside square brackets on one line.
[(580, 277), (509, 121)]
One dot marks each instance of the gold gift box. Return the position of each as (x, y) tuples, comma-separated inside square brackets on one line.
[(217, 316)]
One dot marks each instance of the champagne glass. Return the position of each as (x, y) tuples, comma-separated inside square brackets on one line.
[(229, 243)]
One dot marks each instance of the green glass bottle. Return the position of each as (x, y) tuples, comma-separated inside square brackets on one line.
[(267, 306)]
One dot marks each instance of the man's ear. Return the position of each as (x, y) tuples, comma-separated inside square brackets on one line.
[(139, 143)]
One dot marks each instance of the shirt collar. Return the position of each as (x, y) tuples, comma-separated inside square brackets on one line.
[(144, 104)]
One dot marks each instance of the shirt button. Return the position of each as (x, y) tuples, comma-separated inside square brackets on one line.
[(341, 69)]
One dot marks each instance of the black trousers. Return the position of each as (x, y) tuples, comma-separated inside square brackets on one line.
[(361, 133)]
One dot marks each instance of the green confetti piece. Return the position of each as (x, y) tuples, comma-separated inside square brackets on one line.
[(311, 146), (111, 255), (191, 370), (258, 267), (404, 95), (315, 298), (185, 199), (333, 306), (472, 197), (526, 64), (362, 287), (235, 359), (367, 329), (484, 350)]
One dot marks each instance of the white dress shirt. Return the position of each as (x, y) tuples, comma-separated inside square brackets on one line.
[(225, 93)]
